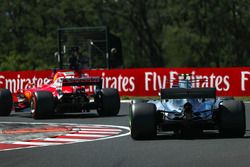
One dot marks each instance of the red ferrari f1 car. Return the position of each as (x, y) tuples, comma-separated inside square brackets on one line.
[(64, 93)]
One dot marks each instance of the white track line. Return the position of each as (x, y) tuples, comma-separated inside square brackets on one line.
[(95, 129), (97, 132), (36, 143), (66, 139), (126, 101), (76, 127), (115, 133), (85, 135)]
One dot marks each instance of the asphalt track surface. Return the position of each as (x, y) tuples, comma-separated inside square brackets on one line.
[(167, 150)]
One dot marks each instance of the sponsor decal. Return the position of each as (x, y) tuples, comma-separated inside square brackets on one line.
[(143, 81), (87, 80), (19, 81)]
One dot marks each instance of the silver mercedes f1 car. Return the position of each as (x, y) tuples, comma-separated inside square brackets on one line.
[(186, 110)]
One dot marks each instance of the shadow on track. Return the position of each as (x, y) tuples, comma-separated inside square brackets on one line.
[(66, 116), (210, 135)]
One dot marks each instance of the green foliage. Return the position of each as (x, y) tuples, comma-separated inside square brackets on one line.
[(154, 33), (18, 62)]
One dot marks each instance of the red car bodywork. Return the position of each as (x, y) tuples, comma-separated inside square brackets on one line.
[(64, 82)]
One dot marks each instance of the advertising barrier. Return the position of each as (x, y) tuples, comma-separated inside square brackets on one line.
[(144, 81)]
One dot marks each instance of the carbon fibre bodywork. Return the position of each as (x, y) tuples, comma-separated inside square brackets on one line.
[(172, 115), (187, 110)]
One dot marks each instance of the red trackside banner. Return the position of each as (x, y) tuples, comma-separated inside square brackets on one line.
[(144, 81)]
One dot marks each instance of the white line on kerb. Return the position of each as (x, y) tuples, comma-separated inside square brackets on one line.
[(67, 140), (85, 135), (97, 132), (94, 129), (36, 143)]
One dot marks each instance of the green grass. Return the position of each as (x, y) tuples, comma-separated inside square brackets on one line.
[(243, 98)]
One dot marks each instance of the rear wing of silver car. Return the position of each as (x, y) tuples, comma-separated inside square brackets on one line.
[(82, 81), (183, 93)]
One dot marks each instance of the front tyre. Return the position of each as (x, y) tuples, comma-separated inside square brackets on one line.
[(232, 119), (6, 102), (143, 121), (42, 104), (108, 102)]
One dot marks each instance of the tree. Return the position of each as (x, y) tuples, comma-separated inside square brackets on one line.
[(154, 33)]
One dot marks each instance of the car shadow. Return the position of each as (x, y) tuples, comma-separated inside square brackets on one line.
[(80, 116), (66, 116), (210, 135)]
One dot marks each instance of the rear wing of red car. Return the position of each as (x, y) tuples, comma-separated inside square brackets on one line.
[(82, 81), (182, 93)]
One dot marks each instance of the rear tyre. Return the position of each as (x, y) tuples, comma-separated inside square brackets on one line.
[(143, 121), (6, 102), (108, 101), (42, 105), (232, 119)]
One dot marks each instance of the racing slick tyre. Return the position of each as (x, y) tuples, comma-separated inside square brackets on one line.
[(6, 102), (42, 104), (143, 121), (232, 119), (108, 102)]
